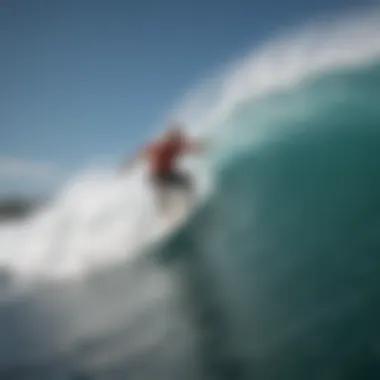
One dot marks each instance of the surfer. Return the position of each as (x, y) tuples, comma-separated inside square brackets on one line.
[(162, 156)]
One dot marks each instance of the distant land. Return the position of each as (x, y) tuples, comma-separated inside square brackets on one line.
[(18, 207)]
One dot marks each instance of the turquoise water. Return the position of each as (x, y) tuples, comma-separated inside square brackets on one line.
[(289, 244)]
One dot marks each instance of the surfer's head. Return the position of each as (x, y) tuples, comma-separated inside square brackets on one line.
[(173, 132)]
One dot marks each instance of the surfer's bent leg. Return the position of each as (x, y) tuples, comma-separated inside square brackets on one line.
[(160, 185), (183, 182), (163, 183)]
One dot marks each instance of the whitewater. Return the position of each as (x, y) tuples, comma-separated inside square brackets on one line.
[(275, 274)]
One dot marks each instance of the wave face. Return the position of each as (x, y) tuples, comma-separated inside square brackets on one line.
[(294, 275), (275, 276)]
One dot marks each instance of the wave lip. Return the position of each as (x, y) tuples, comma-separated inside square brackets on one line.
[(328, 43)]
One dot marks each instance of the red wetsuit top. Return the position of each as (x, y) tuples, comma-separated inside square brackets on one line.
[(162, 156)]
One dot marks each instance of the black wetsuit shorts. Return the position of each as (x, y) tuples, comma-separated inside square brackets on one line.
[(172, 179)]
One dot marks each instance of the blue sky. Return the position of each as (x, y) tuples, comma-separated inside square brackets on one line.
[(84, 79)]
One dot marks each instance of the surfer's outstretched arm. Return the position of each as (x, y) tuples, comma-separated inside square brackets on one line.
[(195, 147)]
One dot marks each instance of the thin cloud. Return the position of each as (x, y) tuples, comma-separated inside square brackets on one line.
[(14, 167)]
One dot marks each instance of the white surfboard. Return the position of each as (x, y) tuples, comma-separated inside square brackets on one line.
[(174, 218)]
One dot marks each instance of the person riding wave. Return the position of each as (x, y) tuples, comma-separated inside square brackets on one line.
[(162, 156)]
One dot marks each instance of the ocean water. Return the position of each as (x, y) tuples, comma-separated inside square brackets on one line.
[(276, 273)]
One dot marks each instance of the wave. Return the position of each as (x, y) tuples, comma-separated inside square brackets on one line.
[(294, 274)]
